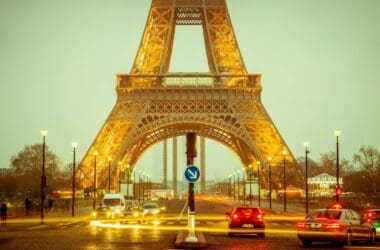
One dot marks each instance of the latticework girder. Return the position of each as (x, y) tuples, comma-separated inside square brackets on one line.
[(154, 105)]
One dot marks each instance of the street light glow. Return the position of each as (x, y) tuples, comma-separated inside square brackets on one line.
[(96, 153), (74, 144), (337, 133), (44, 133), (284, 152), (269, 158), (306, 144), (109, 159)]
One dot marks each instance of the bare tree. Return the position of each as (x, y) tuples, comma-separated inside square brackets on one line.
[(368, 161), (27, 167)]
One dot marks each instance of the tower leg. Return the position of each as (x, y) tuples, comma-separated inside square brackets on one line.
[(175, 166), (203, 165), (165, 164)]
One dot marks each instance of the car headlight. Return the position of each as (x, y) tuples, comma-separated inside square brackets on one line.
[(117, 211), (94, 214), (136, 214), (155, 211)]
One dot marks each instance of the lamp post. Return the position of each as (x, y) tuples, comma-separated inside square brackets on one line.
[(75, 145), (244, 184), (250, 184), (139, 184), (258, 181), (234, 180), (128, 179), (94, 204), (270, 182), (43, 177), (306, 145), (284, 154), (119, 174), (143, 186), (109, 174), (238, 184), (134, 183), (230, 186), (337, 134)]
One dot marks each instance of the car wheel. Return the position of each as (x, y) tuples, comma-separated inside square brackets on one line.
[(306, 243), (372, 238), (261, 235), (349, 239)]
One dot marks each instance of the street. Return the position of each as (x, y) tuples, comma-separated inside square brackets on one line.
[(82, 233)]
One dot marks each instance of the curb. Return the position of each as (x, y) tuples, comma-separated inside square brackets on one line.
[(181, 243)]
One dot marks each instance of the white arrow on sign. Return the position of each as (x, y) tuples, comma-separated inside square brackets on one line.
[(193, 175)]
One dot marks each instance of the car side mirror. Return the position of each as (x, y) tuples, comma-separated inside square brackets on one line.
[(228, 213)]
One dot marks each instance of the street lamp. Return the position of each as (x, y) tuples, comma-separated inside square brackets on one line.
[(119, 174), (258, 181), (284, 154), (270, 183), (134, 183), (337, 189), (250, 184), (139, 184), (128, 178), (234, 180), (143, 185), (109, 174), (230, 186), (95, 154), (306, 145), (238, 184), (43, 177), (75, 145)]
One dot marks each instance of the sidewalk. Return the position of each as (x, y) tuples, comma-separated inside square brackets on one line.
[(23, 222)]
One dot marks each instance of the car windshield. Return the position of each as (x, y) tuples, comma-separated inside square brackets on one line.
[(150, 206), (103, 208), (325, 214), (112, 202), (249, 210)]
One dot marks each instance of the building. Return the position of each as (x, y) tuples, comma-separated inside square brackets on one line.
[(323, 185)]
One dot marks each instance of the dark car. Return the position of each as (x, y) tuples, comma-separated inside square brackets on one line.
[(373, 217), (103, 212), (246, 220), (340, 226)]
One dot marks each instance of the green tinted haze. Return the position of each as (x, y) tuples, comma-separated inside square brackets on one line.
[(320, 61)]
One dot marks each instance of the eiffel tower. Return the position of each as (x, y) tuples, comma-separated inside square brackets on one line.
[(153, 104)]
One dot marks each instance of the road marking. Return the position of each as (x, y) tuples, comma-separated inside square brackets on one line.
[(183, 209), (77, 226), (209, 222), (183, 222), (170, 222), (38, 227)]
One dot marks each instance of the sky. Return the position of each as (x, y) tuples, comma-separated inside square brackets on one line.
[(320, 61)]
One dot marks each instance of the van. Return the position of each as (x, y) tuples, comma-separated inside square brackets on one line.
[(116, 202)]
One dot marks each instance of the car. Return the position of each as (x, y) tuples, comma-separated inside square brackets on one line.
[(150, 208), (373, 217), (339, 226), (103, 212), (246, 220)]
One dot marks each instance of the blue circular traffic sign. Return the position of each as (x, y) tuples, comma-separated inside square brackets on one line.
[(192, 173)]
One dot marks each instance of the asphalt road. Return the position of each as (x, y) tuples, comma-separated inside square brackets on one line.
[(79, 233)]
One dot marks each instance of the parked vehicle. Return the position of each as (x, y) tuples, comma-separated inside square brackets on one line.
[(246, 220), (340, 226), (373, 217)]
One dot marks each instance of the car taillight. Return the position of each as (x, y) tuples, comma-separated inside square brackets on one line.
[(335, 226), (259, 217), (301, 225), (370, 215), (235, 216)]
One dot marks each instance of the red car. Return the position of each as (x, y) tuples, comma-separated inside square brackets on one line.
[(340, 226), (246, 220)]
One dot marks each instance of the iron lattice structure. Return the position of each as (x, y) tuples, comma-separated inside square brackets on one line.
[(152, 105)]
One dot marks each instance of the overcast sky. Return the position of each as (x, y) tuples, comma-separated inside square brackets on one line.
[(320, 61)]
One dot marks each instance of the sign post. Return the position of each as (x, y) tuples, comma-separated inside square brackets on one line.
[(192, 175)]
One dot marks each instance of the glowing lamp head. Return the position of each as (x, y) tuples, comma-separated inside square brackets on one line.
[(337, 133), (44, 133), (109, 159), (74, 145), (95, 153), (306, 144)]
